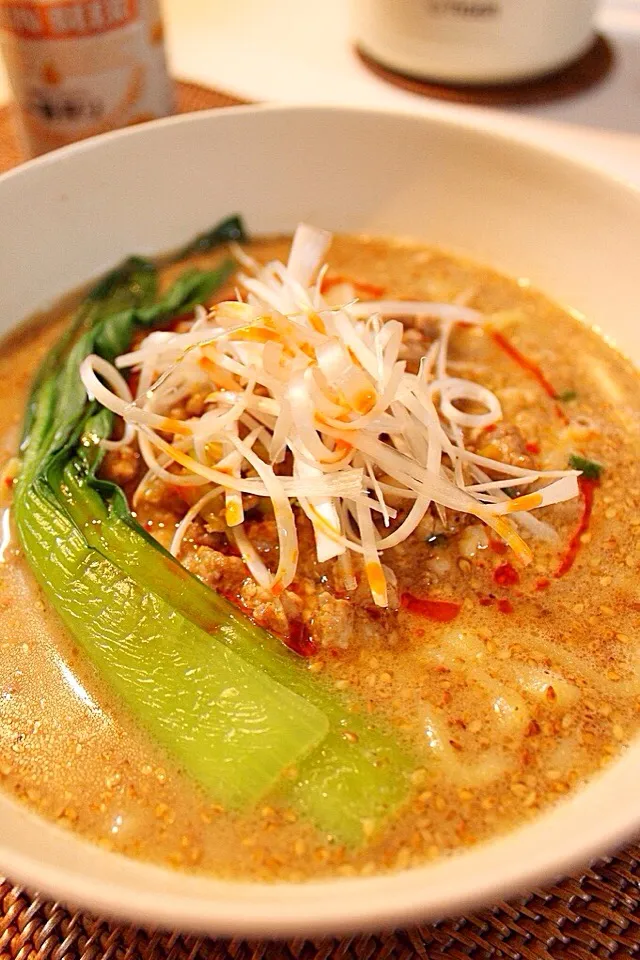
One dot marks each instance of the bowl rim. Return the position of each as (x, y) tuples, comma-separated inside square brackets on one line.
[(371, 903)]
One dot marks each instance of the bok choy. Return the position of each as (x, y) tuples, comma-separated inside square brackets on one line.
[(233, 706)]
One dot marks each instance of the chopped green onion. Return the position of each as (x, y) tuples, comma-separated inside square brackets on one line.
[(591, 469), (565, 396)]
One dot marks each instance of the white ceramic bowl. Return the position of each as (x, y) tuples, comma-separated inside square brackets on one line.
[(572, 230)]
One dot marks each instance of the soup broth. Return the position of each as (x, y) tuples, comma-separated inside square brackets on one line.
[(509, 684)]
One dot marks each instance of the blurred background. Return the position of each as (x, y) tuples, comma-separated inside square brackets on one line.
[(303, 51)]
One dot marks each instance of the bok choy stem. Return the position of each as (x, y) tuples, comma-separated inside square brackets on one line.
[(228, 724)]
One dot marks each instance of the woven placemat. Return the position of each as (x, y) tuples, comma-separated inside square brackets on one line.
[(594, 914), (189, 97)]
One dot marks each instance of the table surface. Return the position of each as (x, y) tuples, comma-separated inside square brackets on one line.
[(301, 51)]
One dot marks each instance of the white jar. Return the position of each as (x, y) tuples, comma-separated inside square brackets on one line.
[(473, 41)]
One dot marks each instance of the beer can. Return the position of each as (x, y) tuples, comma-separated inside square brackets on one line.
[(78, 68)]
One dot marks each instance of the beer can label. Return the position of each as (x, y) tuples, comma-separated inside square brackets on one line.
[(82, 67)]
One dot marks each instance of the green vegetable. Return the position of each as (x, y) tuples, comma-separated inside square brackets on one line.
[(590, 468), (141, 617), (192, 287), (229, 725), (227, 230), (130, 285), (566, 396)]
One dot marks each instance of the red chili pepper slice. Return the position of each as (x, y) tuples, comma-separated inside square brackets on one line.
[(506, 575), (299, 639), (587, 488), (441, 610), (530, 367)]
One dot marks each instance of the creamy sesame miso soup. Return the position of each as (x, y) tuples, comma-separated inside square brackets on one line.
[(319, 556)]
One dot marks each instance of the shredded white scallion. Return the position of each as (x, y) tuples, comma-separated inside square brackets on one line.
[(307, 399)]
